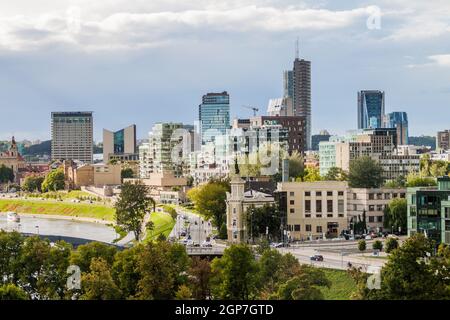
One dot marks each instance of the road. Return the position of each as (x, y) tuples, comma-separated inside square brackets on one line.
[(195, 226)]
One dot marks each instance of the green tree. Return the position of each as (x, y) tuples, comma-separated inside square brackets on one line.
[(6, 174), (10, 251), (439, 168), (390, 245), (98, 284), (312, 175), (258, 219), (209, 200), (84, 254), (365, 173), (362, 245), (377, 245), (127, 173), (163, 268), (54, 181), (235, 274), (425, 165), (296, 166), (125, 270), (33, 184), (183, 293), (395, 215), (336, 174), (305, 286), (414, 180), (12, 292), (132, 206)]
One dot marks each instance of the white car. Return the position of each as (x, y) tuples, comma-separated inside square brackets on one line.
[(206, 244), (368, 237)]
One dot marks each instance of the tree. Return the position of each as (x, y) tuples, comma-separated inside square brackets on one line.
[(365, 173), (312, 175), (395, 215), (10, 251), (163, 269), (414, 180), (33, 183), (411, 273), (84, 254), (6, 174), (439, 168), (377, 245), (296, 167), (125, 270), (336, 174), (127, 173), (200, 275), (305, 286), (390, 245), (235, 274), (425, 165), (183, 293), (362, 245), (209, 200), (12, 292), (98, 284), (132, 206), (54, 181), (258, 219)]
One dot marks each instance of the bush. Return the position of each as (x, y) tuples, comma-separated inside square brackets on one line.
[(362, 245), (377, 245), (391, 244), (223, 233)]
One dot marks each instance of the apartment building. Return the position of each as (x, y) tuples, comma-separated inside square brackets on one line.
[(315, 210), (371, 203)]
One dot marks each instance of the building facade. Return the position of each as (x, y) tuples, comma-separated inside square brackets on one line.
[(120, 145), (214, 116), (371, 105), (429, 211), (12, 159), (301, 79), (371, 204), (315, 210), (443, 140), (72, 136), (398, 120)]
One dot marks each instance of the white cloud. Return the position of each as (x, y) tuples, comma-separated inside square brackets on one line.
[(442, 60), (89, 31)]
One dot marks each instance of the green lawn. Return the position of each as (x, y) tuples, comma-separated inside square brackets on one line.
[(163, 223), (52, 207), (342, 285)]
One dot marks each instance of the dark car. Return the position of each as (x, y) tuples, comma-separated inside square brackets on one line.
[(316, 257)]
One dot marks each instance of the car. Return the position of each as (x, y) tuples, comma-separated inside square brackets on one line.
[(183, 234), (316, 257), (368, 237), (206, 244), (189, 243)]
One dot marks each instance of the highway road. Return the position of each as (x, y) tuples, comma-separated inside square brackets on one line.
[(195, 227)]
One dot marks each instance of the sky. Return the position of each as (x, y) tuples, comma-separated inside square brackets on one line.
[(141, 62)]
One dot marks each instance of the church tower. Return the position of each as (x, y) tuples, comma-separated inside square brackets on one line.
[(236, 220)]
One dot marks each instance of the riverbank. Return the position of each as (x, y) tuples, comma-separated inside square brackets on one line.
[(90, 212)]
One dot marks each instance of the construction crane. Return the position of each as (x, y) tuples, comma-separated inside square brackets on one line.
[(255, 109)]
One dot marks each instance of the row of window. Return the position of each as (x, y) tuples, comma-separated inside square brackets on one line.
[(317, 193), (308, 228), (329, 206)]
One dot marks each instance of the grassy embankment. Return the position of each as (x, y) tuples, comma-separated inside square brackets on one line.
[(51, 207), (163, 223), (342, 285)]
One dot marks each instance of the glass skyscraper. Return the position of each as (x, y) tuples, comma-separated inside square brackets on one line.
[(370, 109), (214, 115), (398, 120)]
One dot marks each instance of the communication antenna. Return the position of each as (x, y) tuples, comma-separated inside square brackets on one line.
[(297, 49)]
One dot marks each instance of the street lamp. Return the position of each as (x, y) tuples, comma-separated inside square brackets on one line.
[(37, 230)]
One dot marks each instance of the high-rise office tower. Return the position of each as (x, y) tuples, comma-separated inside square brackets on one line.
[(288, 84), (214, 115), (72, 136), (302, 94), (370, 109), (120, 145), (443, 140), (398, 120)]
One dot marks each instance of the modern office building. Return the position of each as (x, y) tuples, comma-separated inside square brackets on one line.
[(72, 136), (295, 126), (398, 120), (302, 94), (120, 145), (443, 140), (371, 204), (288, 84), (281, 107), (157, 155), (315, 210), (317, 138), (370, 109), (429, 211), (214, 116)]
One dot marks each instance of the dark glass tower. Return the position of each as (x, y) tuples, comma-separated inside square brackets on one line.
[(370, 109)]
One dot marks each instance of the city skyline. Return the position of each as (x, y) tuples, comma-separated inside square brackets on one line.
[(50, 62)]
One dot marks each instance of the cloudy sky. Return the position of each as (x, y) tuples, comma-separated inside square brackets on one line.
[(140, 61)]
